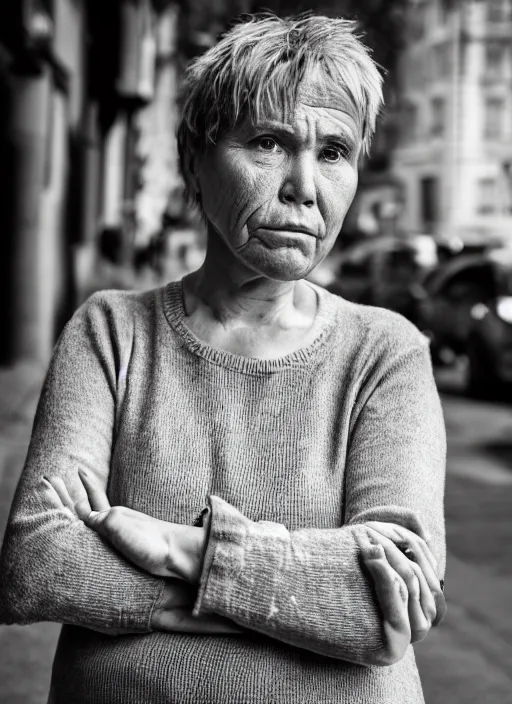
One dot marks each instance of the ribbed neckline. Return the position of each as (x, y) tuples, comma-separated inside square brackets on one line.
[(173, 306)]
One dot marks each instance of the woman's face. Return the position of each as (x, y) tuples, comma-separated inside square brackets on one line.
[(277, 191)]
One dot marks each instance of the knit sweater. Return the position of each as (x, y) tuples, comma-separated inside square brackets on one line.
[(293, 454)]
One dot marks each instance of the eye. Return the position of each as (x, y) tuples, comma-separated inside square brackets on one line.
[(267, 144), (334, 153)]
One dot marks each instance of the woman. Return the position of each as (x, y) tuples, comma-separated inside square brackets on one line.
[(309, 428)]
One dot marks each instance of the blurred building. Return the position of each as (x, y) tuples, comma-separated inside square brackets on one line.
[(72, 75), (454, 157), (88, 163)]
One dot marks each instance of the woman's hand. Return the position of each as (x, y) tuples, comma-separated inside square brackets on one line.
[(158, 547), (173, 613), (418, 555), (403, 590)]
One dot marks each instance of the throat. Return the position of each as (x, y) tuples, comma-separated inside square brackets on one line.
[(265, 337), (263, 342)]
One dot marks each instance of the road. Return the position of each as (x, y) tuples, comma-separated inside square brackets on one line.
[(468, 660)]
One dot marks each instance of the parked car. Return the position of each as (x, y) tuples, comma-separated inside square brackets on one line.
[(466, 308), (383, 271)]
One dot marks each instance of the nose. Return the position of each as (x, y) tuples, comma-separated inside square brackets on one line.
[(299, 186)]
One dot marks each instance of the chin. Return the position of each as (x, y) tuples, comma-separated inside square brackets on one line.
[(289, 265)]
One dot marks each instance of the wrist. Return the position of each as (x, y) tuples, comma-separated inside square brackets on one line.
[(187, 548)]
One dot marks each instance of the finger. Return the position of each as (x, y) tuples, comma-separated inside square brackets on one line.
[(390, 589), (415, 581), (424, 549), (419, 553), (83, 509), (96, 521), (95, 492), (421, 607), (419, 623), (433, 583), (58, 485), (400, 534)]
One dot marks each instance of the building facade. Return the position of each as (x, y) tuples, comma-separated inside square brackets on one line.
[(88, 162), (454, 156)]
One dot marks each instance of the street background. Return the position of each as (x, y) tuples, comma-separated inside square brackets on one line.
[(91, 197)]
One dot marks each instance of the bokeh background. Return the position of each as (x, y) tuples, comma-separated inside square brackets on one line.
[(91, 197)]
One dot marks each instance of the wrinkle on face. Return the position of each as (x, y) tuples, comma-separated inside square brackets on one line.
[(242, 186)]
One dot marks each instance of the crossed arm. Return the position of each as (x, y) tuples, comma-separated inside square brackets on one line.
[(407, 589), (345, 592)]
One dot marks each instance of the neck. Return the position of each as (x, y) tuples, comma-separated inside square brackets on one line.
[(235, 294)]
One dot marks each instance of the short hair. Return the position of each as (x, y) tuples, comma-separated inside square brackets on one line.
[(260, 63)]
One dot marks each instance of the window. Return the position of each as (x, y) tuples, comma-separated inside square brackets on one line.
[(410, 122), (442, 12), (415, 71), (429, 200), (494, 118), (498, 10), (442, 60), (438, 118), (486, 197), (494, 60), (417, 20)]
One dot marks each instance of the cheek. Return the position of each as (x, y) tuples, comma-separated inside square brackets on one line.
[(337, 198), (232, 193)]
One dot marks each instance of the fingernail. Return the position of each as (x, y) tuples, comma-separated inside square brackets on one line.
[(375, 552)]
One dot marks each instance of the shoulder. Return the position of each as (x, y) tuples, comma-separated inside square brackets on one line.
[(113, 302), (377, 330), (108, 320), (114, 308)]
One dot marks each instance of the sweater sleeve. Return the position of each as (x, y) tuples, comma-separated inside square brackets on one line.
[(54, 568), (307, 587)]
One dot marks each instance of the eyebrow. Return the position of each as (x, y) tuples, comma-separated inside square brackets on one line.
[(337, 136), (274, 126), (283, 128)]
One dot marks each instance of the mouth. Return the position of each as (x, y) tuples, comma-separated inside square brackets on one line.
[(290, 237), (289, 229)]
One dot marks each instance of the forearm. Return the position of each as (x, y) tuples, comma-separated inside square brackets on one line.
[(306, 588), (54, 568)]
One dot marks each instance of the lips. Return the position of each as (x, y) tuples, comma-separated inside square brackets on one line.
[(289, 227), (291, 237)]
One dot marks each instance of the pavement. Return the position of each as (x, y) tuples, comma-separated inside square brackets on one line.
[(468, 660), (26, 651)]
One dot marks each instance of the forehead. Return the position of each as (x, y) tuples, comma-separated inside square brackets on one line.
[(320, 100), (319, 90), (311, 116)]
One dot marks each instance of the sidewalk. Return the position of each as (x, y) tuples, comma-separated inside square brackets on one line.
[(19, 386), (27, 651), (19, 392)]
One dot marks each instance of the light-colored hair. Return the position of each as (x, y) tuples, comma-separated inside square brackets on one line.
[(261, 63)]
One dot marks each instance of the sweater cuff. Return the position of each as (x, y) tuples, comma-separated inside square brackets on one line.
[(223, 556)]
